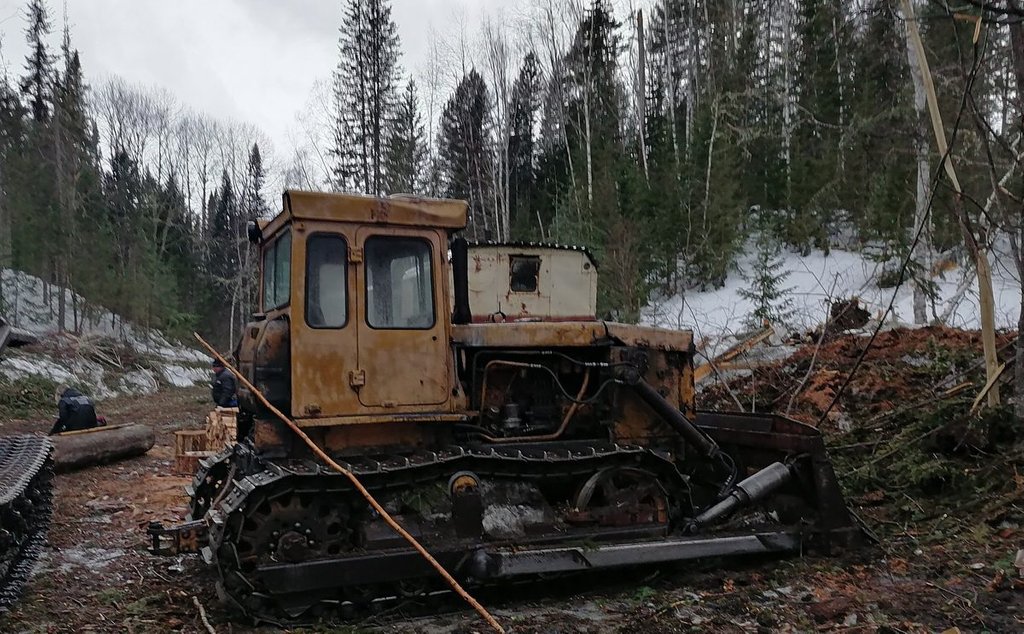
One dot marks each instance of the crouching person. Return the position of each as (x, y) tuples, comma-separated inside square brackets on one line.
[(75, 410)]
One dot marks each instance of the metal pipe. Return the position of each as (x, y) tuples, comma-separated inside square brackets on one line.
[(555, 435), (671, 415), (754, 489)]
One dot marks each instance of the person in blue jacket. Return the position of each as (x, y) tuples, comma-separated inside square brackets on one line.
[(224, 388)]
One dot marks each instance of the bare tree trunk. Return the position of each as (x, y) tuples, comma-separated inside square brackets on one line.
[(707, 176), (670, 83), (922, 250), (1017, 53), (976, 243), (787, 94), (641, 89)]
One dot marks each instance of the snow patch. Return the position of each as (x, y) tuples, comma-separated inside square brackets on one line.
[(139, 382), (718, 314), (184, 376), (92, 559), (35, 306)]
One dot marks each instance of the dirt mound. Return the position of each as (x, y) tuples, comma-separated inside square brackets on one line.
[(903, 366)]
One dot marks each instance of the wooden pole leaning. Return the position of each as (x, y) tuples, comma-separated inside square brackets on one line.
[(451, 581)]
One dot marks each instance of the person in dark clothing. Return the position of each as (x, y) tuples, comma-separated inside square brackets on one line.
[(75, 412), (224, 388)]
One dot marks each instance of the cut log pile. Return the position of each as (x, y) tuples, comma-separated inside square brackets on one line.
[(192, 445), (220, 427)]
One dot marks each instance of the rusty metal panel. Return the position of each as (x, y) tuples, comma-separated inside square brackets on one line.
[(355, 438), (322, 358), (570, 334), (398, 371), (650, 337), (396, 210), (370, 419), (565, 287)]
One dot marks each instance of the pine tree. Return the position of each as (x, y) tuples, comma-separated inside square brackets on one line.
[(11, 144), (407, 153), (879, 173), (37, 85), (122, 194), (822, 86), (364, 94), (464, 151)]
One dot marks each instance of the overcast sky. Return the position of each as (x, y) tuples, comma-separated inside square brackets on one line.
[(249, 60)]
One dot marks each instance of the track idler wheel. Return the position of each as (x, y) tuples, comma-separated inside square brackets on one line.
[(621, 496)]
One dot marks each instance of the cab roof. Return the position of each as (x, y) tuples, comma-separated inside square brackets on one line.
[(394, 210)]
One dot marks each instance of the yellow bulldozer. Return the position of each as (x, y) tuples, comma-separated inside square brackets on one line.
[(513, 444)]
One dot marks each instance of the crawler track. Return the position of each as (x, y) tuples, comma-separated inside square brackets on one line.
[(255, 520), (26, 496)]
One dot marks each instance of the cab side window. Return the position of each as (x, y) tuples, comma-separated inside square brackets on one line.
[(277, 269), (399, 283), (326, 281)]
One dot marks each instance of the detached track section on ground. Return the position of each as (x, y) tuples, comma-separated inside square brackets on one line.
[(26, 504)]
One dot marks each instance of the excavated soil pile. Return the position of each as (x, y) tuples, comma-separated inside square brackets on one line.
[(903, 367)]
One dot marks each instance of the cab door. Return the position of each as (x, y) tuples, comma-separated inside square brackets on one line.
[(323, 322), (402, 329)]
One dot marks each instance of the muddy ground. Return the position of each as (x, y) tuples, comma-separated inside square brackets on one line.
[(945, 560)]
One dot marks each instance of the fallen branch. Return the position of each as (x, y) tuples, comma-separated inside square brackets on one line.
[(817, 348), (988, 388), (202, 615), (958, 296)]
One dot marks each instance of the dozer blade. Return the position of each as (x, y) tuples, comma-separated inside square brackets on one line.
[(755, 441)]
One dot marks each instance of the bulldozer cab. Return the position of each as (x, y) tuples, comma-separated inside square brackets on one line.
[(358, 289)]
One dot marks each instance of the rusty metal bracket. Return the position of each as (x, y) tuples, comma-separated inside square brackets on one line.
[(175, 540)]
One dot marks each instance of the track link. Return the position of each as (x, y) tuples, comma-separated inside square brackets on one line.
[(26, 504), (255, 590)]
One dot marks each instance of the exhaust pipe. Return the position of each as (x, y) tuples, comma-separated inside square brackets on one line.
[(460, 279)]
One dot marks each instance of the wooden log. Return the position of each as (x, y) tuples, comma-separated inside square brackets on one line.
[(90, 447)]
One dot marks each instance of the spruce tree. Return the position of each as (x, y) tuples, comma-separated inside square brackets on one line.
[(822, 87), (364, 94), (407, 153), (464, 151), (253, 205), (37, 84), (526, 99), (223, 261), (766, 279)]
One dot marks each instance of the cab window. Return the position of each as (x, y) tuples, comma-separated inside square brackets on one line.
[(326, 280), (277, 260), (524, 271), (399, 283)]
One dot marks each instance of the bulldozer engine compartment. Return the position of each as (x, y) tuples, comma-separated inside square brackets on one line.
[(509, 449)]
